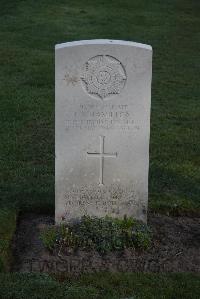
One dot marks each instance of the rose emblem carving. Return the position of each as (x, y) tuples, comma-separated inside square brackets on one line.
[(103, 76)]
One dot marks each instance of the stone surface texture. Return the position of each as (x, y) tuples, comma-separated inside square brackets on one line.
[(102, 128)]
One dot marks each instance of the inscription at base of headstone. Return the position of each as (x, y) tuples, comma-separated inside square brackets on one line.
[(103, 95)]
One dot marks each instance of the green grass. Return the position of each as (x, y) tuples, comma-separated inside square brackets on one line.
[(7, 229), (29, 31), (101, 286)]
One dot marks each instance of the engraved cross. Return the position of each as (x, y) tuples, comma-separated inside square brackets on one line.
[(101, 155)]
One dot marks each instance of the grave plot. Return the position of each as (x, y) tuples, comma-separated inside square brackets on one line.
[(174, 248)]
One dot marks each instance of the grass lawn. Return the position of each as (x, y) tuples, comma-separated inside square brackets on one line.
[(29, 30), (7, 229), (101, 286)]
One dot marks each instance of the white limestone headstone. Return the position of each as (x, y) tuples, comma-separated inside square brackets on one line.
[(103, 95)]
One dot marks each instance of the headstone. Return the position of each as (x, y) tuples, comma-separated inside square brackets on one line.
[(103, 94)]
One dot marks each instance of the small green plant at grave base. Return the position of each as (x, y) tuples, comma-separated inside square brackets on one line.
[(101, 234), (66, 237), (141, 235), (48, 237)]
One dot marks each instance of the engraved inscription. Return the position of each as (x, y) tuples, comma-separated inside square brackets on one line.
[(110, 200), (105, 116), (101, 155), (103, 76)]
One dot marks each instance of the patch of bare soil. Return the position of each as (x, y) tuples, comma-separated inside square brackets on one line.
[(175, 248)]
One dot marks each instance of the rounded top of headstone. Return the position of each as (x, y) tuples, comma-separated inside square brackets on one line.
[(103, 42)]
